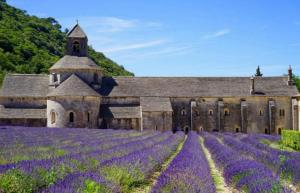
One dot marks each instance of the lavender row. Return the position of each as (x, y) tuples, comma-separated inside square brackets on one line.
[(148, 156), (82, 182), (273, 161), (286, 163), (117, 163), (244, 174), (89, 145), (49, 136), (254, 140), (188, 172), (139, 165), (29, 165), (68, 165)]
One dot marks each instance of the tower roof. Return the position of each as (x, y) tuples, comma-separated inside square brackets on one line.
[(75, 63), (77, 32), (73, 86)]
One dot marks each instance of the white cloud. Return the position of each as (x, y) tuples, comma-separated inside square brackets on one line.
[(133, 46), (168, 50), (110, 24), (217, 34)]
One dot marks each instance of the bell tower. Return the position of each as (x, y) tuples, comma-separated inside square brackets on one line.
[(77, 42)]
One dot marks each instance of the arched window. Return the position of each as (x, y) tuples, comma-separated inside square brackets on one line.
[(226, 112), (186, 129), (267, 131), (261, 112), (210, 112), (183, 112), (53, 117), (71, 117), (279, 131), (281, 113), (76, 47)]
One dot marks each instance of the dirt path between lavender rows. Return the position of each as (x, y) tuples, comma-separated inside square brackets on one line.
[(217, 176)]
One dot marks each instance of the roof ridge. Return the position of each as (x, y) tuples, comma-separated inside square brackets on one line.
[(73, 86), (16, 74), (196, 77), (78, 33)]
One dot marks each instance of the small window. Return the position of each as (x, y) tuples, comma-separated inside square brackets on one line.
[(88, 117), (267, 131), (281, 113), (53, 117), (76, 47), (226, 112), (54, 77), (183, 112), (210, 112), (156, 128), (237, 130), (261, 112), (71, 117)]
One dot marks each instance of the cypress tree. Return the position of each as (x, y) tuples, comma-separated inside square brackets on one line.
[(258, 73)]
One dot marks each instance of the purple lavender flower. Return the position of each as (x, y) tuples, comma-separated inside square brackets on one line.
[(188, 172)]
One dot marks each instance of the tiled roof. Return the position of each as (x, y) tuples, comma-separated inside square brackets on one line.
[(73, 86), (120, 112), (195, 86), (155, 104), (77, 32), (75, 62), (25, 85)]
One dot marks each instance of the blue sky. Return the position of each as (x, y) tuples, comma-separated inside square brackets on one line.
[(185, 38)]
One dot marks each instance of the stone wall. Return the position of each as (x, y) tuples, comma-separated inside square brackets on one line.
[(85, 111), (126, 123), (259, 114), (159, 121)]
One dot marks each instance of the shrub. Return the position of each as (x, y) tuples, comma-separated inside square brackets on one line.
[(291, 139)]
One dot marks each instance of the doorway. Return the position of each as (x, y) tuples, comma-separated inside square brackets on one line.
[(186, 129)]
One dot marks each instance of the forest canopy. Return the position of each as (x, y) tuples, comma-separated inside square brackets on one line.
[(31, 45)]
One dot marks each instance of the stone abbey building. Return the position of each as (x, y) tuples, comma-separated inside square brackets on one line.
[(76, 94)]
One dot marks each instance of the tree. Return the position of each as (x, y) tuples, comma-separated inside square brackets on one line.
[(258, 73), (29, 44)]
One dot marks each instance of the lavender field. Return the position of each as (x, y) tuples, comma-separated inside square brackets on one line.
[(54, 160)]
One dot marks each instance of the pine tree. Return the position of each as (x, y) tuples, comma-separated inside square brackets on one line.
[(258, 73)]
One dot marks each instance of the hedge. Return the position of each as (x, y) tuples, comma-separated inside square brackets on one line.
[(291, 139)]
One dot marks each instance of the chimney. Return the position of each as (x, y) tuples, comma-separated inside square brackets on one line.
[(252, 90), (290, 76)]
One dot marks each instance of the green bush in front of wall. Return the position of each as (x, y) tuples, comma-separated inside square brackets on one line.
[(291, 139)]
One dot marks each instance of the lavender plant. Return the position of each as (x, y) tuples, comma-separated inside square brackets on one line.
[(188, 172), (243, 173)]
